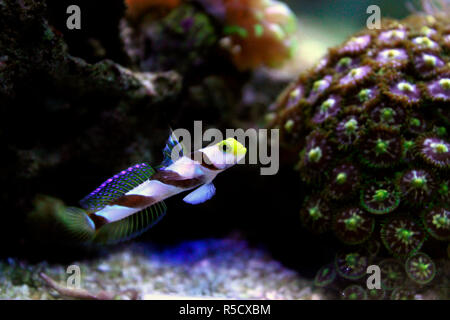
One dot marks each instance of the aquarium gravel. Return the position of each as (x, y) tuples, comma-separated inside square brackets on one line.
[(212, 268)]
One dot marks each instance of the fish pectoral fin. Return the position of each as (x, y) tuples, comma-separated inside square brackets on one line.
[(201, 194), (131, 226)]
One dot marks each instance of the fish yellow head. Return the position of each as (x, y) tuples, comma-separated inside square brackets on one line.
[(226, 153)]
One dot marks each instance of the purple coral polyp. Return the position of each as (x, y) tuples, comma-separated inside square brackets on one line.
[(356, 44), (317, 151), (435, 151), (322, 64), (294, 97), (344, 180), (392, 36), (318, 88), (348, 130), (329, 108), (447, 40), (416, 186), (406, 90), (425, 43), (440, 89), (426, 63), (393, 116), (395, 57), (355, 75), (368, 95), (346, 63)]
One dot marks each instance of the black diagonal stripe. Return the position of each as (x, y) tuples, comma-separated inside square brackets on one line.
[(174, 179), (134, 201), (98, 220), (204, 160)]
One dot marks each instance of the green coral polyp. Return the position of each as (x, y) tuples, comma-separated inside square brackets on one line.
[(405, 87), (380, 195), (437, 223), (439, 148), (351, 125), (420, 268), (289, 125), (441, 221), (387, 114), (425, 41), (417, 186), (351, 265), (402, 236), (445, 83), (354, 292), (327, 105), (392, 274), (381, 146), (318, 84), (364, 95), (430, 60), (353, 226), (415, 122), (419, 182), (325, 276), (345, 62), (353, 223), (315, 154), (355, 72), (380, 198), (315, 213), (341, 178)]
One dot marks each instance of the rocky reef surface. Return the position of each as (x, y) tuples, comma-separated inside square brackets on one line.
[(78, 106)]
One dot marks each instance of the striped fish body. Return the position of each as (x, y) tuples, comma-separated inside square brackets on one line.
[(132, 201), (183, 175)]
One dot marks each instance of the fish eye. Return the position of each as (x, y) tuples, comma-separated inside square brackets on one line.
[(225, 147)]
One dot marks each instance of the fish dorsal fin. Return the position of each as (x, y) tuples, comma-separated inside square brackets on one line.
[(173, 150), (117, 186), (201, 194), (131, 226)]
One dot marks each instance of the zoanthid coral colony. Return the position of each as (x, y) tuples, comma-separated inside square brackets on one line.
[(371, 126)]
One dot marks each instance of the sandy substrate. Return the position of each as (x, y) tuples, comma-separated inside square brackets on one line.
[(213, 268)]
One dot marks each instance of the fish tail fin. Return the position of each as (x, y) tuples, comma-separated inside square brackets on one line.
[(77, 223)]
